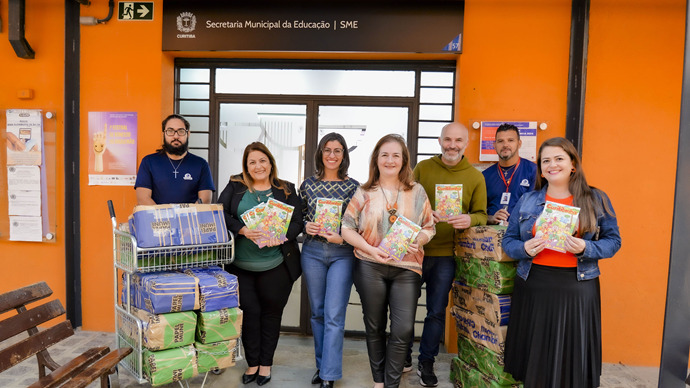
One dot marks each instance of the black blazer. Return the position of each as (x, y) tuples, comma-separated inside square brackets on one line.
[(231, 197)]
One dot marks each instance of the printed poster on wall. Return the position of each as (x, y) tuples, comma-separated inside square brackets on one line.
[(24, 137), (112, 148), (528, 135)]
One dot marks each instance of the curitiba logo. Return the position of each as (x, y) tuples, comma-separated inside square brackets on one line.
[(186, 23)]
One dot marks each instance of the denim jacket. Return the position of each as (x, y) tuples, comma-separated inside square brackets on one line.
[(601, 244)]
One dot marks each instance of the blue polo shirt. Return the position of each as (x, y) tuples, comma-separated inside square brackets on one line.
[(157, 173), (523, 181)]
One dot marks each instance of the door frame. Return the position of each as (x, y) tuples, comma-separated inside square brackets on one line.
[(313, 102)]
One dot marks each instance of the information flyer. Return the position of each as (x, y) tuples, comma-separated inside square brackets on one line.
[(528, 135), (112, 148), (24, 137), (25, 228), (24, 190), (26, 203)]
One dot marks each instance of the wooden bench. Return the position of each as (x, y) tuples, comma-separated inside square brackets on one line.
[(95, 363)]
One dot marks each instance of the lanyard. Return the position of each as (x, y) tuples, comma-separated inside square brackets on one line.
[(503, 178)]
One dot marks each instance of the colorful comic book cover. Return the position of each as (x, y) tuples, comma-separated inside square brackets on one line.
[(555, 223), (249, 218), (399, 236), (275, 221), (252, 216), (448, 200), (328, 213)]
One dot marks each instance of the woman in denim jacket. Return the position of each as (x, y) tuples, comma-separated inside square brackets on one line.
[(554, 334)]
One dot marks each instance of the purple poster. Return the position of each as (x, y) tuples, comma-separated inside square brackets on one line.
[(112, 148)]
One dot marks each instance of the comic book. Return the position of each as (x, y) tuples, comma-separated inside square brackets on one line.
[(448, 200), (555, 223), (399, 236), (275, 221), (252, 216), (327, 213)]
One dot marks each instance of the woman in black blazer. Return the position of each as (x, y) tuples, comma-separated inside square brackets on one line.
[(266, 274)]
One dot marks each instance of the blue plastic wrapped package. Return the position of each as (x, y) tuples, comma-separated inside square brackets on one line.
[(217, 288), (155, 226), (132, 292), (178, 224), (166, 292), (201, 223)]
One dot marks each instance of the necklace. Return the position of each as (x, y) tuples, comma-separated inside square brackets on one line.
[(391, 209), (258, 195), (504, 174), (173, 166)]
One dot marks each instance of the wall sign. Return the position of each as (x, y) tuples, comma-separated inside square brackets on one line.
[(356, 26), (528, 135), (135, 10), (112, 148)]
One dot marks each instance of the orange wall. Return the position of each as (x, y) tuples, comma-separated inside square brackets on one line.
[(26, 263), (514, 66), (630, 149), (122, 71)]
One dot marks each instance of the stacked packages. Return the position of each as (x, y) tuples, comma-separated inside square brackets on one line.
[(190, 321), (481, 307), (178, 224)]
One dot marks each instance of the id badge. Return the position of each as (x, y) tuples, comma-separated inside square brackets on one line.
[(505, 198)]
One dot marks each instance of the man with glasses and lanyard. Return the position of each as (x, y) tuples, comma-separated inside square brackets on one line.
[(508, 179), (172, 174)]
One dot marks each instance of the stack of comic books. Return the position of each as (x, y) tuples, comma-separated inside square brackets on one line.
[(448, 200), (328, 213), (399, 237), (272, 218), (555, 223)]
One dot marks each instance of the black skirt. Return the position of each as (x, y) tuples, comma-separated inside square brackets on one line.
[(554, 333)]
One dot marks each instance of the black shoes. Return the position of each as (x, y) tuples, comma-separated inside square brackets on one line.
[(246, 379), (425, 371), (316, 379), (326, 384), (261, 380)]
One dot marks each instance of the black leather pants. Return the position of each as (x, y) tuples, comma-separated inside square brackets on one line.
[(382, 288)]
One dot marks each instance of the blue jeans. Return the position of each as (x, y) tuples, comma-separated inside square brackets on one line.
[(438, 273), (327, 269)]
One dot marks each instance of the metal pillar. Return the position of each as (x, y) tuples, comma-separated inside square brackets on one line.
[(72, 193), (577, 72), (676, 341)]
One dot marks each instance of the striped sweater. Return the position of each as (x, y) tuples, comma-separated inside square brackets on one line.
[(367, 215)]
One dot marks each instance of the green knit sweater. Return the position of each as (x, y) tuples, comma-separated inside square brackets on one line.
[(428, 173)]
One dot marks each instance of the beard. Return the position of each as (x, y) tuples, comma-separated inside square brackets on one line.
[(507, 157), (452, 158), (175, 150)]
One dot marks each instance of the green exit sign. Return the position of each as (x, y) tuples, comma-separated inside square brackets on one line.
[(135, 10)]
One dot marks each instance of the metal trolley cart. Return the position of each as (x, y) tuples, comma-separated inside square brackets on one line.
[(129, 258)]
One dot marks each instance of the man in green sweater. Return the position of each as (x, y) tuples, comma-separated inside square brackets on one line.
[(438, 269)]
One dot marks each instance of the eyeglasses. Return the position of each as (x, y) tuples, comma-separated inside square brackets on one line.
[(179, 132), (336, 152)]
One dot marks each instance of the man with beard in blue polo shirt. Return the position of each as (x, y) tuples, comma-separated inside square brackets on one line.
[(508, 179), (172, 174)]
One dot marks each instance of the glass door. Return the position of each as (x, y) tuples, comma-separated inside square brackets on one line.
[(282, 128), (362, 127)]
